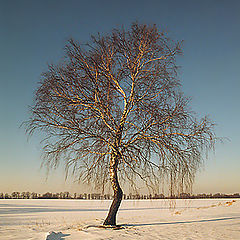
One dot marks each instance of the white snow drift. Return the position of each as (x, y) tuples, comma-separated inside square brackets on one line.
[(143, 219)]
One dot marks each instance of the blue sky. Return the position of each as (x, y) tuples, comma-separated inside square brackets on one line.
[(33, 33)]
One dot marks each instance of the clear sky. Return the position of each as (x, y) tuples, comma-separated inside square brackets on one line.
[(33, 33)]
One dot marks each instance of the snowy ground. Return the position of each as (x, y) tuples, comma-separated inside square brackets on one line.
[(143, 219)]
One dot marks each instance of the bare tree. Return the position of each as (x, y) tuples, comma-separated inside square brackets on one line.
[(114, 107)]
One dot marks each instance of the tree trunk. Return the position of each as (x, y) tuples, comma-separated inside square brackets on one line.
[(117, 197)]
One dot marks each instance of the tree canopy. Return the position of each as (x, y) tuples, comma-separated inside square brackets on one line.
[(115, 105)]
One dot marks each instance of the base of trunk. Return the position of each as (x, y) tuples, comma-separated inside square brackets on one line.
[(117, 227), (111, 218)]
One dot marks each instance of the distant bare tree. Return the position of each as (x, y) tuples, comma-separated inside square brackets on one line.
[(114, 106), (15, 195)]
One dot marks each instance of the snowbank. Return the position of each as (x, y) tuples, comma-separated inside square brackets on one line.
[(143, 219)]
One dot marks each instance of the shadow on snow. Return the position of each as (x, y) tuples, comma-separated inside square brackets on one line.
[(179, 222)]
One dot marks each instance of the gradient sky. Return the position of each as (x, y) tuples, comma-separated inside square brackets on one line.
[(33, 33)]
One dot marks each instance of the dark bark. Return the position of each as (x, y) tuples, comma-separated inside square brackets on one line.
[(117, 197)]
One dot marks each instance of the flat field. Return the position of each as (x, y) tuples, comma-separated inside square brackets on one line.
[(140, 219)]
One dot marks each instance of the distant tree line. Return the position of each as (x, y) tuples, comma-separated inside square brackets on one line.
[(98, 196)]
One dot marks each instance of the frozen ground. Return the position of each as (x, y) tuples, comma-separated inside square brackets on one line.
[(144, 219)]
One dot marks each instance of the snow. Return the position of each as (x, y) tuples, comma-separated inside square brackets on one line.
[(140, 219)]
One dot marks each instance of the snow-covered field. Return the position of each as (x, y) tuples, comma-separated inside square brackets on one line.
[(144, 219)]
